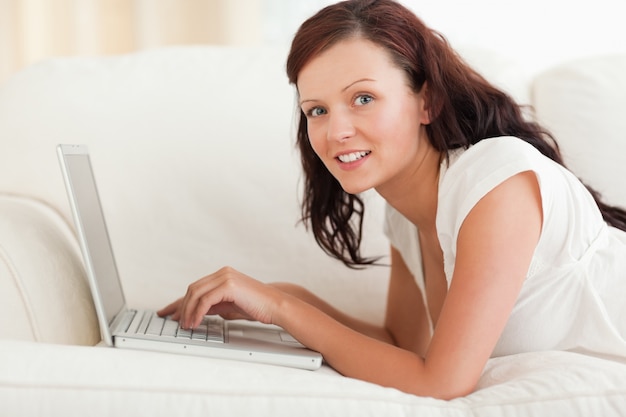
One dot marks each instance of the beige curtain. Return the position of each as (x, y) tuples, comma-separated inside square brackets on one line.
[(32, 30)]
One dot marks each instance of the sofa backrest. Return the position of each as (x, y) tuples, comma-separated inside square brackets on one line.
[(194, 156), (583, 103), (193, 151)]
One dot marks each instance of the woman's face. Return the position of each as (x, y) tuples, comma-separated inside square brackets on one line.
[(364, 121)]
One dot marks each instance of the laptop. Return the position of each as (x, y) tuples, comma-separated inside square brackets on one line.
[(124, 327)]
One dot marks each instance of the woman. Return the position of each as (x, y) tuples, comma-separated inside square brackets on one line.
[(495, 247)]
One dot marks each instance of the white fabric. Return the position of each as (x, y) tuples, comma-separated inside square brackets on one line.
[(582, 103), (44, 296), (569, 299), (49, 381)]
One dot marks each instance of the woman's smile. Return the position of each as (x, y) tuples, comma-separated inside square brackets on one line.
[(350, 158)]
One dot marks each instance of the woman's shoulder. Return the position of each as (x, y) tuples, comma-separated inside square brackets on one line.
[(469, 174), (487, 163), (493, 152)]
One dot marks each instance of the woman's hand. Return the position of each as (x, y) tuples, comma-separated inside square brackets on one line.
[(228, 293)]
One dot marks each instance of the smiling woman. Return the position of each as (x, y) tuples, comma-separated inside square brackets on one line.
[(495, 244)]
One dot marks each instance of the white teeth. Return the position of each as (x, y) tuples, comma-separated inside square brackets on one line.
[(351, 157)]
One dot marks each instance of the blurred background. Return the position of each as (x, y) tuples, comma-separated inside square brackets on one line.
[(34, 30)]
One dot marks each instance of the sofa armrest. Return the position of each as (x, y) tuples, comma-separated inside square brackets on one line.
[(44, 296)]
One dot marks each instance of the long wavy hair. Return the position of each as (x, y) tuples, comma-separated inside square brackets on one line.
[(465, 109)]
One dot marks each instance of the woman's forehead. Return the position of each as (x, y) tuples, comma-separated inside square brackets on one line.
[(346, 58), (345, 63)]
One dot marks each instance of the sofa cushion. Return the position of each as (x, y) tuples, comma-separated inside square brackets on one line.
[(193, 152), (43, 293), (583, 103), (504, 72), (51, 380)]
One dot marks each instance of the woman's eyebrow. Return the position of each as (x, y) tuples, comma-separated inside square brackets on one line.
[(307, 101), (356, 82), (342, 90)]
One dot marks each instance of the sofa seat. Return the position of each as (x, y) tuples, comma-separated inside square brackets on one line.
[(98, 381)]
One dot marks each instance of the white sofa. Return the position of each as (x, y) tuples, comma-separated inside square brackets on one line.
[(194, 157)]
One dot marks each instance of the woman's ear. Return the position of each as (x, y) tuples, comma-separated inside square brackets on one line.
[(429, 107), (425, 116)]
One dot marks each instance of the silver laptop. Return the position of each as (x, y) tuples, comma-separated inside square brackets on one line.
[(125, 327)]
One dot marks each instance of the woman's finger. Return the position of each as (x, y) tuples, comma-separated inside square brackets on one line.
[(170, 309), (191, 309), (230, 294)]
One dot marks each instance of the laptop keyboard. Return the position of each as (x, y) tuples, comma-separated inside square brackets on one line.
[(210, 329)]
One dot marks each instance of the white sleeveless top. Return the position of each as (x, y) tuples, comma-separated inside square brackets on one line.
[(574, 295)]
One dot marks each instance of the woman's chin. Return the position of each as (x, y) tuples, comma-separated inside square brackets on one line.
[(353, 188)]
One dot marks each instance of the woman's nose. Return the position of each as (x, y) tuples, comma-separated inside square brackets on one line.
[(340, 127)]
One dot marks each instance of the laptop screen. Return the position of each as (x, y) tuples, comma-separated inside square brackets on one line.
[(96, 245)]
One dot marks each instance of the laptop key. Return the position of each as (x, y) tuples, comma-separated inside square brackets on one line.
[(127, 320), (199, 333), (183, 333), (215, 331), (155, 326), (145, 320), (133, 327), (169, 328)]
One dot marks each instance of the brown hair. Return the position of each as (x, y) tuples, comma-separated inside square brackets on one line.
[(465, 110)]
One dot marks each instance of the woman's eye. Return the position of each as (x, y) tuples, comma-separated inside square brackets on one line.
[(363, 99), (315, 112)]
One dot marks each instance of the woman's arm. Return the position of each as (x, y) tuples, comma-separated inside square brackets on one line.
[(406, 322), (494, 250), (361, 326), (406, 318)]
